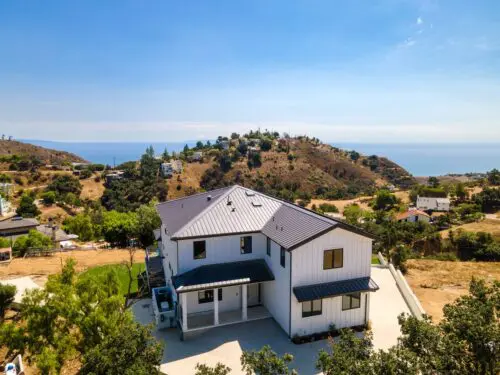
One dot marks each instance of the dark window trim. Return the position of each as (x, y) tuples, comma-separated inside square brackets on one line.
[(283, 257), (210, 297), (204, 253), (352, 297), (332, 266), (244, 245), (268, 246), (312, 312)]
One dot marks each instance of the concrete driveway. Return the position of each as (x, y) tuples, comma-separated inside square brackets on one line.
[(225, 344)]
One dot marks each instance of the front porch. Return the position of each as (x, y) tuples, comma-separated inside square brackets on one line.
[(206, 319)]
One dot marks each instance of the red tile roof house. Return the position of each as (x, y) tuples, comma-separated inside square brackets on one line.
[(233, 254), (413, 216)]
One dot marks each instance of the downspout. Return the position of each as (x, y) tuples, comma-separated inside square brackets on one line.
[(290, 300)]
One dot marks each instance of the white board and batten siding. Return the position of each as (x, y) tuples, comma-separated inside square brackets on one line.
[(307, 269), (220, 249), (275, 296), (169, 252)]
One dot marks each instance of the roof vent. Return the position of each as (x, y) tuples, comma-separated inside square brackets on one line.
[(256, 204), (229, 201), (209, 198), (249, 193)]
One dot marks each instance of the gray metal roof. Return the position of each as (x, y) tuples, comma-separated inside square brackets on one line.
[(223, 275), (238, 209), (176, 213), (60, 235), (15, 223), (336, 288)]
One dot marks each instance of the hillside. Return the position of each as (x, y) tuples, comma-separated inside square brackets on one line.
[(307, 168), (45, 155)]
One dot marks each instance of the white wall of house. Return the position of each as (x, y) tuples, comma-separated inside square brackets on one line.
[(308, 258), (416, 218), (275, 294), (222, 249), (169, 251), (231, 300), (331, 314), (307, 269)]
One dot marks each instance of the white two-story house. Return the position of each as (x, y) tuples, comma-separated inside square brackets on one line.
[(234, 254)]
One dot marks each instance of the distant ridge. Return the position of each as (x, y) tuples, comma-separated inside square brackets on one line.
[(47, 155)]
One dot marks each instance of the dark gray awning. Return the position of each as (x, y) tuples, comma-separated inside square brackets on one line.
[(222, 275), (336, 288)]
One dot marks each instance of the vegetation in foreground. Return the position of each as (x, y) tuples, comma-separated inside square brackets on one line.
[(83, 321)]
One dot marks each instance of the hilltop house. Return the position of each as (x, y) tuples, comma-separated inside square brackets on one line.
[(17, 226), (196, 156), (168, 169), (433, 204), (233, 254)]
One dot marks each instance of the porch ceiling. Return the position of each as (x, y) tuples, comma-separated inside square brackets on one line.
[(223, 275)]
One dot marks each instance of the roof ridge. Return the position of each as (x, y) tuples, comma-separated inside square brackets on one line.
[(205, 210), (193, 195)]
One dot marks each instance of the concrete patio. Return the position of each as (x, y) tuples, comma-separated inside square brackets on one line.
[(226, 343)]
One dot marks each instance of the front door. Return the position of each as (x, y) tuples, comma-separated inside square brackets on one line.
[(253, 295)]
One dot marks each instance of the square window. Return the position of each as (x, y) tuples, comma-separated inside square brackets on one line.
[(333, 259), (246, 244), (351, 301), (312, 308), (199, 250)]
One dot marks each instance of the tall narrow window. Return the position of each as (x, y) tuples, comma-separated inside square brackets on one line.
[(246, 244), (312, 308), (268, 246), (351, 301), (199, 249), (282, 257), (333, 259)]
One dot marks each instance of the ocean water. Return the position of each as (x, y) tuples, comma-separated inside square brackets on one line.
[(418, 159)]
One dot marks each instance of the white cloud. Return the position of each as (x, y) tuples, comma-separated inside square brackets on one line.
[(420, 21)]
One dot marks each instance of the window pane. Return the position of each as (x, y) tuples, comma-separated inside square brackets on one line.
[(316, 305), (282, 257), (268, 246), (355, 300), (346, 302), (306, 307), (199, 250), (246, 244), (220, 294), (338, 258), (327, 259)]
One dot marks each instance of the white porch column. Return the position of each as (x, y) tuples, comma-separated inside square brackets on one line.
[(216, 306), (184, 311), (244, 314), (367, 307)]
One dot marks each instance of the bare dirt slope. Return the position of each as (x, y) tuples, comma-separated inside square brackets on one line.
[(437, 283), (188, 181), (47, 155)]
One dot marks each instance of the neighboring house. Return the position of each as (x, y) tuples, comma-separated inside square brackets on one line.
[(433, 204), (5, 206), (56, 234), (196, 156), (5, 254), (234, 254), (167, 170), (113, 176), (6, 188), (413, 216), (224, 145), (17, 226)]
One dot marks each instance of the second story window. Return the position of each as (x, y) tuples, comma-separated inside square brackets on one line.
[(199, 249), (268, 246), (333, 259), (282, 256), (246, 244)]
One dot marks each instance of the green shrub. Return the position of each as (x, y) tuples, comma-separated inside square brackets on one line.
[(7, 294)]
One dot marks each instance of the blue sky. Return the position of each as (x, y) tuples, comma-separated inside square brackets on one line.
[(344, 71)]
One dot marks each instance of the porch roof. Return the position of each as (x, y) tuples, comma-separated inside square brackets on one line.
[(336, 288), (222, 275)]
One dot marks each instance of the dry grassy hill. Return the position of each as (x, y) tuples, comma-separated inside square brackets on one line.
[(46, 155), (311, 168)]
